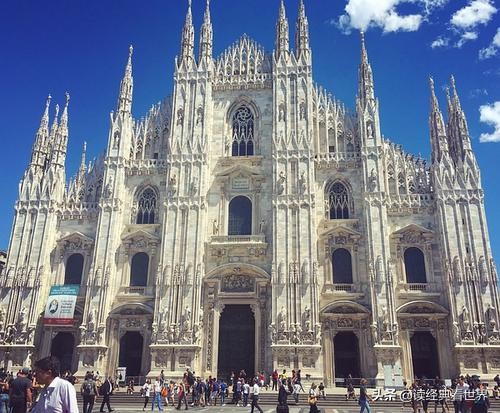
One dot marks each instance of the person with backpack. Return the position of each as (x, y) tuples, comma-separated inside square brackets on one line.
[(89, 393)]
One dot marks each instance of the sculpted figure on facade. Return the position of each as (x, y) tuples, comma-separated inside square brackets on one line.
[(215, 227), (280, 187), (457, 269), (306, 319), (281, 320), (21, 320), (302, 186), (262, 226), (172, 185)]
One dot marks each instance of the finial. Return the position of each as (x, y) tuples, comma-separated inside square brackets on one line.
[(84, 147), (57, 111), (49, 98), (431, 84), (453, 87), (189, 4), (130, 51), (67, 98)]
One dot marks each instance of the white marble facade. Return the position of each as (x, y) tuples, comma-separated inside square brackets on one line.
[(320, 184)]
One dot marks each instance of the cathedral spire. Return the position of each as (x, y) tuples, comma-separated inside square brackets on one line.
[(60, 142), (40, 147), (206, 39), (126, 86), (302, 32), (365, 84), (187, 42), (282, 33), (458, 132), (83, 164), (439, 141)]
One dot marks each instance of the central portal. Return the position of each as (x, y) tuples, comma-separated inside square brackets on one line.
[(131, 352), (236, 341)]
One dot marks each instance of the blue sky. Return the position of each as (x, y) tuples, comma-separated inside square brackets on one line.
[(81, 46)]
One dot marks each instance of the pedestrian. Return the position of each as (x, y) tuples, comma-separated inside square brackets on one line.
[(298, 380), (481, 402), (246, 393), (255, 398), (223, 389), (146, 392), (20, 396), (283, 396), (313, 399), (157, 395), (4, 392), (274, 379), (364, 398), (296, 390), (461, 390), (321, 391), (181, 394), (89, 393), (106, 390), (58, 395)]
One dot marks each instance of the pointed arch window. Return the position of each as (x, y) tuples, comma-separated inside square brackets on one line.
[(338, 201), (146, 207), (243, 123)]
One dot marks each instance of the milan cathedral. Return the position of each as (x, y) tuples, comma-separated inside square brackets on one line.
[(251, 221)]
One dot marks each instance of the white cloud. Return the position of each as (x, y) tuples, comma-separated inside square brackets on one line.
[(362, 14), (465, 37), (490, 114), (440, 42), (475, 13), (492, 49)]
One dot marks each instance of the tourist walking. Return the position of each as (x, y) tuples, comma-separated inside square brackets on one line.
[(181, 395), (20, 392), (246, 393), (364, 398), (4, 392), (282, 398), (146, 392), (157, 395), (255, 398), (58, 395), (313, 399), (106, 390), (89, 393), (461, 390)]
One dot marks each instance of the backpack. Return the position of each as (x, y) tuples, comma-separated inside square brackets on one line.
[(87, 388)]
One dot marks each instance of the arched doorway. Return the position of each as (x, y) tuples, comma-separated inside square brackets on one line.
[(424, 354), (62, 347), (131, 345), (236, 341), (346, 354)]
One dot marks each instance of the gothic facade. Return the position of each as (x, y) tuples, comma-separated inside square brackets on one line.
[(252, 221)]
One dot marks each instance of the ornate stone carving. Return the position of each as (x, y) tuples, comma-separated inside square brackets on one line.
[(235, 283), (280, 184)]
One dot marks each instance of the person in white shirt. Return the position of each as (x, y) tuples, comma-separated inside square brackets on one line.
[(157, 396), (58, 396), (146, 392), (459, 396), (255, 397)]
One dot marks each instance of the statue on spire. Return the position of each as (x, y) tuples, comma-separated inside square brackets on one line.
[(282, 33), (206, 39), (302, 32)]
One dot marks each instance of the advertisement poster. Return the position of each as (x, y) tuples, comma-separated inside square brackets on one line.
[(60, 308)]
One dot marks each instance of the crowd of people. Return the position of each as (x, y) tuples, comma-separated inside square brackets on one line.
[(46, 390)]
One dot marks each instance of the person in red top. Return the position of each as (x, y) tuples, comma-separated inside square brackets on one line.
[(274, 378)]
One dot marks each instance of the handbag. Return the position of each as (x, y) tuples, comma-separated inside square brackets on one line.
[(164, 392), (312, 400)]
